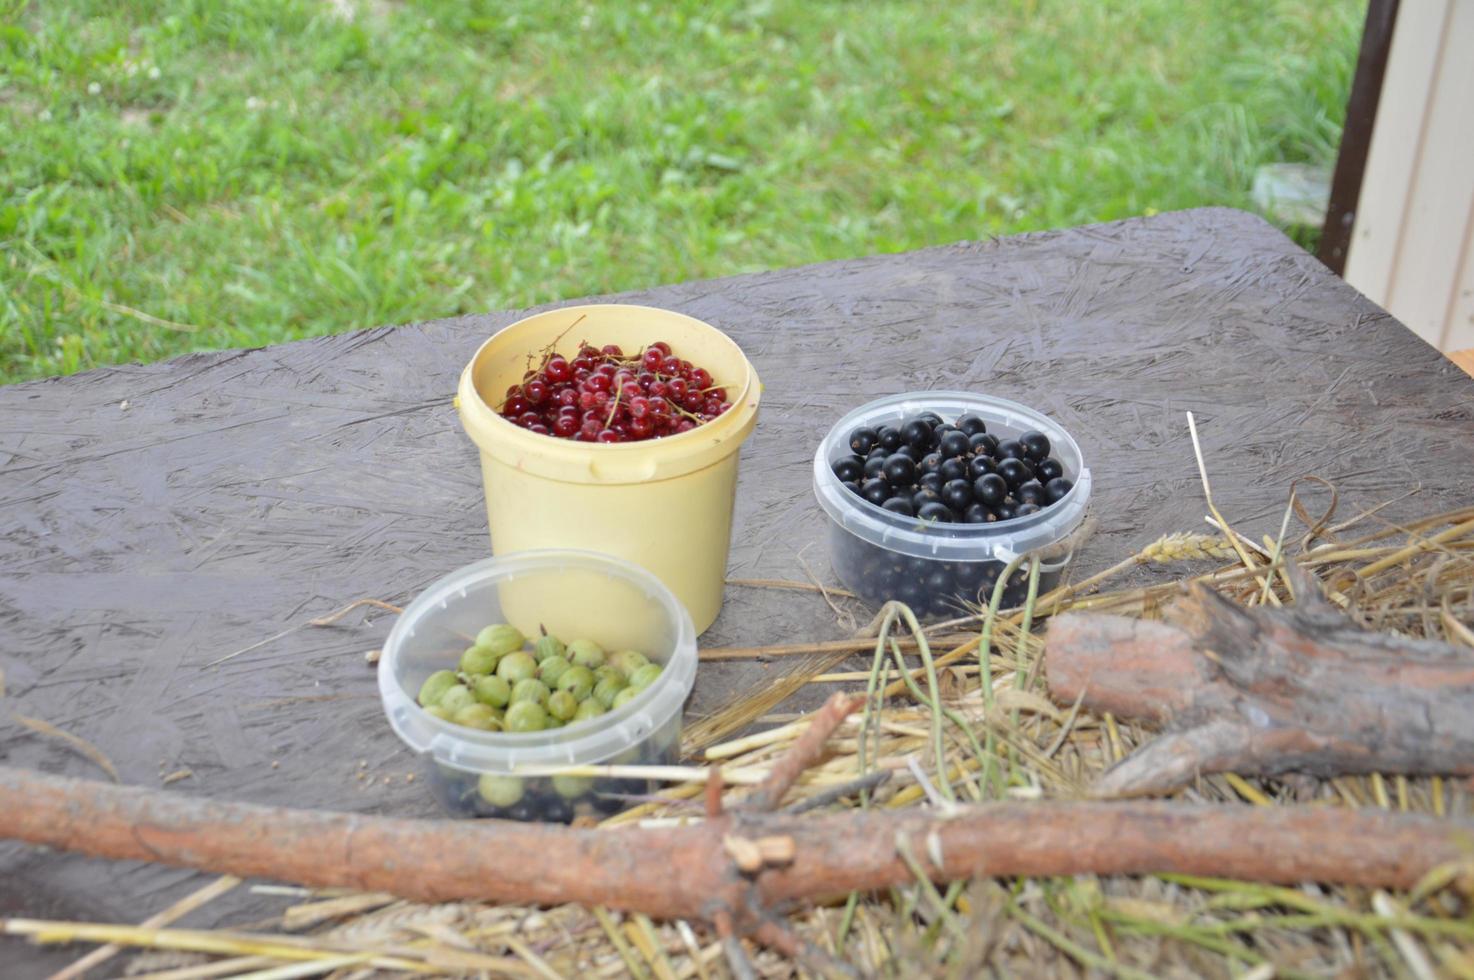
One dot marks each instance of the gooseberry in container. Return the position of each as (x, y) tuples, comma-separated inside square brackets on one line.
[(503, 745)]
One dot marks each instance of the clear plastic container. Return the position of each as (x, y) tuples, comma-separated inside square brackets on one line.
[(938, 569), (572, 595)]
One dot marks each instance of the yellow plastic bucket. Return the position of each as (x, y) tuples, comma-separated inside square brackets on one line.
[(664, 504)]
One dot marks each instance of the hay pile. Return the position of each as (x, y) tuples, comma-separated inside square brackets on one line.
[(957, 728)]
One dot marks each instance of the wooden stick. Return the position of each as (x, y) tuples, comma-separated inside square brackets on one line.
[(1264, 691), (683, 872), (803, 753)]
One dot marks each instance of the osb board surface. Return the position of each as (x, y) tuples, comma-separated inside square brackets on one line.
[(240, 493)]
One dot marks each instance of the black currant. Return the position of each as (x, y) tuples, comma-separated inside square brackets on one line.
[(900, 470), (889, 438), (879, 451), (930, 463), (900, 505), (954, 443), (971, 424), (957, 494), (922, 497), (990, 489), (877, 491), (1049, 469), (917, 433), (1006, 511), (984, 443), (1030, 492), (863, 439), (935, 510), (851, 486), (1055, 490), (916, 455), (1011, 449), (1025, 509), (1036, 444), (875, 465), (980, 466), (976, 514), (931, 481), (931, 418), (938, 582), (1015, 471), (849, 467), (953, 469)]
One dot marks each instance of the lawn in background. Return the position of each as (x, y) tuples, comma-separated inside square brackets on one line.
[(198, 174)]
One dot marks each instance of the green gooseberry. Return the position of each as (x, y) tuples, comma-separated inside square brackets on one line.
[(456, 697), (645, 676), (572, 787), (600, 673), (525, 716), (530, 689), (501, 639), (589, 709), (578, 681), (548, 646), (435, 685), (482, 716), (437, 711), (551, 669), (586, 653), (605, 690), (624, 696), (562, 705), (493, 690), (553, 723), (479, 660), (499, 790), (628, 661), (516, 666)]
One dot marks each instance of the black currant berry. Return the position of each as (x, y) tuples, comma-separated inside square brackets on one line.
[(935, 510), (900, 470), (900, 505), (914, 454), (984, 443), (889, 438), (990, 489), (980, 466), (1026, 509), (938, 582), (971, 424), (1049, 469), (851, 486), (1015, 471), (863, 439), (874, 465), (922, 497), (1011, 449), (930, 463), (954, 469), (917, 433), (976, 514), (1006, 511), (954, 443), (849, 467), (957, 494), (1036, 444), (1030, 492), (931, 418), (877, 491), (931, 481), (1055, 490)]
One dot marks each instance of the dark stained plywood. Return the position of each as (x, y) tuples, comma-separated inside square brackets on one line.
[(237, 494)]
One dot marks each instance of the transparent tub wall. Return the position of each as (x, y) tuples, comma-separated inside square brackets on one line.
[(934, 589)]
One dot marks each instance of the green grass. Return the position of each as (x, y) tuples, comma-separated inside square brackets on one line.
[(198, 174)]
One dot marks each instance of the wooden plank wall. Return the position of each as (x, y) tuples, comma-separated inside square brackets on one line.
[(1412, 247)]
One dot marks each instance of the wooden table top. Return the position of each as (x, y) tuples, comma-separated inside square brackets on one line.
[(154, 518)]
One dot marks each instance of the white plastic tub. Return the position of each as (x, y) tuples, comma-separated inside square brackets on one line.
[(571, 594), (937, 568)]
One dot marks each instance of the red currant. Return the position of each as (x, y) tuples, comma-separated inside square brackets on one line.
[(701, 378), (557, 369)]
